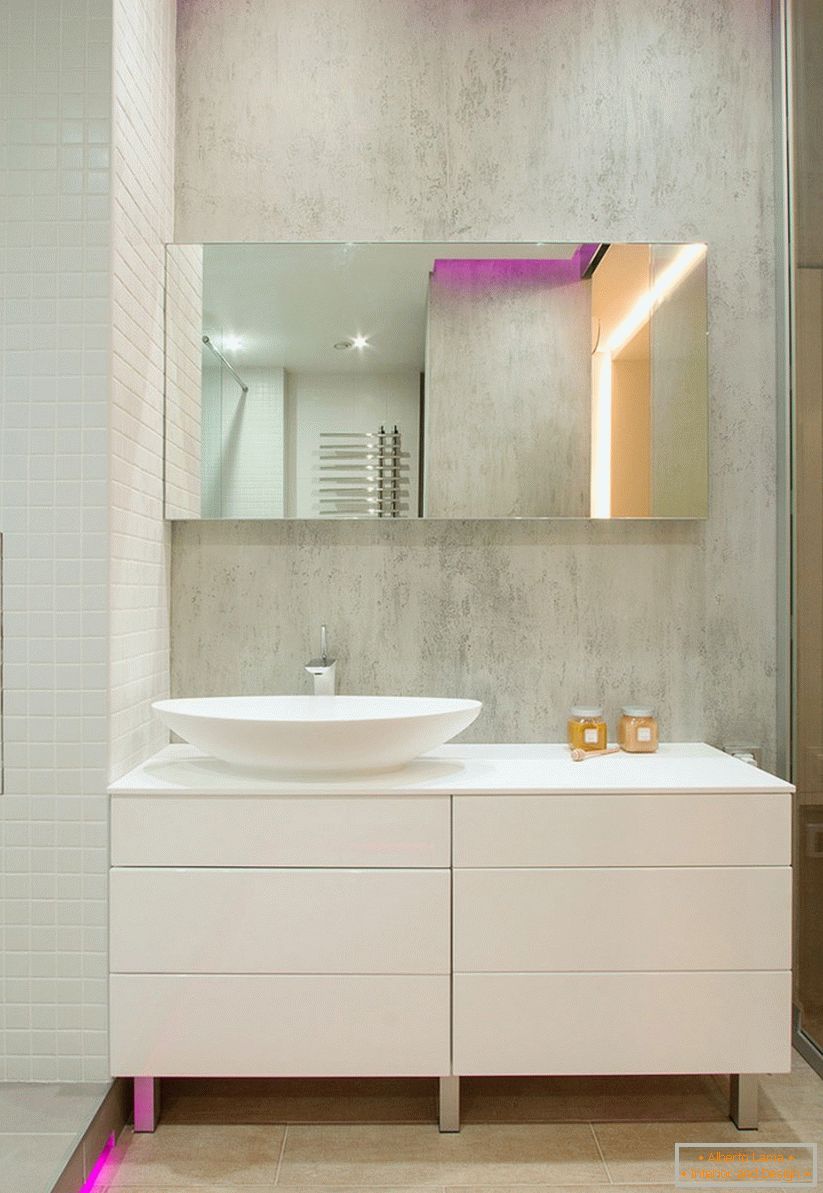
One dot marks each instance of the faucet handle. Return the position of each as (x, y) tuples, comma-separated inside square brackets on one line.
[(323, 662), (323, 669)]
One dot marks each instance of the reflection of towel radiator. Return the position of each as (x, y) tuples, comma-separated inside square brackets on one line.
[(363, 474)]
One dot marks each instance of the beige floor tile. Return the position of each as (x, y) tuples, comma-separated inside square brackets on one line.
[(583, 1099), (802, 1130), (213, 1156), (496, 1154), (643, 1153), (791, 1096)]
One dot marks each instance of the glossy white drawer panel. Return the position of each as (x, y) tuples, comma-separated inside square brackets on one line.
[(279, 921), (622, 1023), (284, 1025), (622, 919), (280, 831), (622, 830)]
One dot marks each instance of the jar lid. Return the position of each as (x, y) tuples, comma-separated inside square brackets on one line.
[(593, 711), (635, 710)]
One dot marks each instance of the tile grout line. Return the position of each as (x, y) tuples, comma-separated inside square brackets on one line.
[(282, 1153), (600, 1152)]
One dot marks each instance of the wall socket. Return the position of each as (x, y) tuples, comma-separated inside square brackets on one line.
[(743, 748)]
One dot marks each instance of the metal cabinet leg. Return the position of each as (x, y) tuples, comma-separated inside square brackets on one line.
[(146, 1103), (743, 1096), (449, 1103)]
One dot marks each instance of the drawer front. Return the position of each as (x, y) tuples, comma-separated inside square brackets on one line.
[(279, 921), (628, 919), (622, 830), (280, 831), (247, 1025), (516, 1024)]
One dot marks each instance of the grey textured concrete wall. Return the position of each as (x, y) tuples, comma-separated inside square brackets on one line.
[(530, 120)]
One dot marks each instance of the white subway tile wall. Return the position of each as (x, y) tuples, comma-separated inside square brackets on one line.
[(142, 222), (55, 224), (184, 356)]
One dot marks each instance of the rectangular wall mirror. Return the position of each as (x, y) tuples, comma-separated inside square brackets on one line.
[(436, 380)]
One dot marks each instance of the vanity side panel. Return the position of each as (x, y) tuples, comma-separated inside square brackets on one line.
[(721, 829), (285, 1025), (609, 1023), (265, 830)]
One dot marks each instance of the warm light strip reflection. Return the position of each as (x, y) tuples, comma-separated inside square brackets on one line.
[(669, 279), (638, 316), (601, 483)]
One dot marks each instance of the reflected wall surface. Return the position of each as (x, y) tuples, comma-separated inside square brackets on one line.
[(437, 380)]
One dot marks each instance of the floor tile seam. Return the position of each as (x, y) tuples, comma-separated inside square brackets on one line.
[(600, 1153), (281, 1155)]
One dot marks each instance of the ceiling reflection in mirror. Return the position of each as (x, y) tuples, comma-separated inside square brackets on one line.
[(436, 380)]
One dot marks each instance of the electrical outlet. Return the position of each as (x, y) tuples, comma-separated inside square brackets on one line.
[(742, 749)]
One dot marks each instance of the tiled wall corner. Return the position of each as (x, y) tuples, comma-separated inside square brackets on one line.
[(142, 215), (55, 138), (184, 367)]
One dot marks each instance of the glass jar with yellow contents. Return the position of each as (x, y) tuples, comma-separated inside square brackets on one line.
[(637, 731), (587, 729)]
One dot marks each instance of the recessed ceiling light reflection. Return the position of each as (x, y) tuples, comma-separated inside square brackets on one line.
[(232, 343)]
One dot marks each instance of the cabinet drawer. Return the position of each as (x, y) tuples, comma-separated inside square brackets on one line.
[(515, 1024), (622, 919), (279, 921), (284, 1025), (280, 831), (622, 830)]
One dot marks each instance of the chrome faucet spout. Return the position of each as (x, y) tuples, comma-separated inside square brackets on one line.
[(323, 669)]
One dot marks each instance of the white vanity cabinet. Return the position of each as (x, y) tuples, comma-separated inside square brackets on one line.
[(591, 935), (488, 910), (280, 935)]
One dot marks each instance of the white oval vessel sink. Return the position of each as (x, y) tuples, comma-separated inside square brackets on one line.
[(317, 734)]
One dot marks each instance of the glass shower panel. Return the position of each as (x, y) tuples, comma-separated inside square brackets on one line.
[(807, 189), (211, 453)]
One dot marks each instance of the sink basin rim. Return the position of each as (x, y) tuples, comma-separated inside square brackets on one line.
[(230, 708), (312, 735)]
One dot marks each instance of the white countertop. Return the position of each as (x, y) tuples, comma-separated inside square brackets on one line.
[(527, 769)]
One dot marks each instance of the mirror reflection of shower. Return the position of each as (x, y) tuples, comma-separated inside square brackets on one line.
[(242, 432), (230, 367)]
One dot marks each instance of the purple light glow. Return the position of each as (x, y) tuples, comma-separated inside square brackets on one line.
[(584, 256), (468, 272), (98, 1166)]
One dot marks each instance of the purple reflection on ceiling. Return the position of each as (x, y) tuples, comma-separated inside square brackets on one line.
[(465, 272), (585, 256)]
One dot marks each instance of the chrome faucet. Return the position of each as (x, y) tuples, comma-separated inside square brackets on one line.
[(322, 669)]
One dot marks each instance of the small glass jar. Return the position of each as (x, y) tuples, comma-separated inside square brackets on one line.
[(586, 728), (637, 732)]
